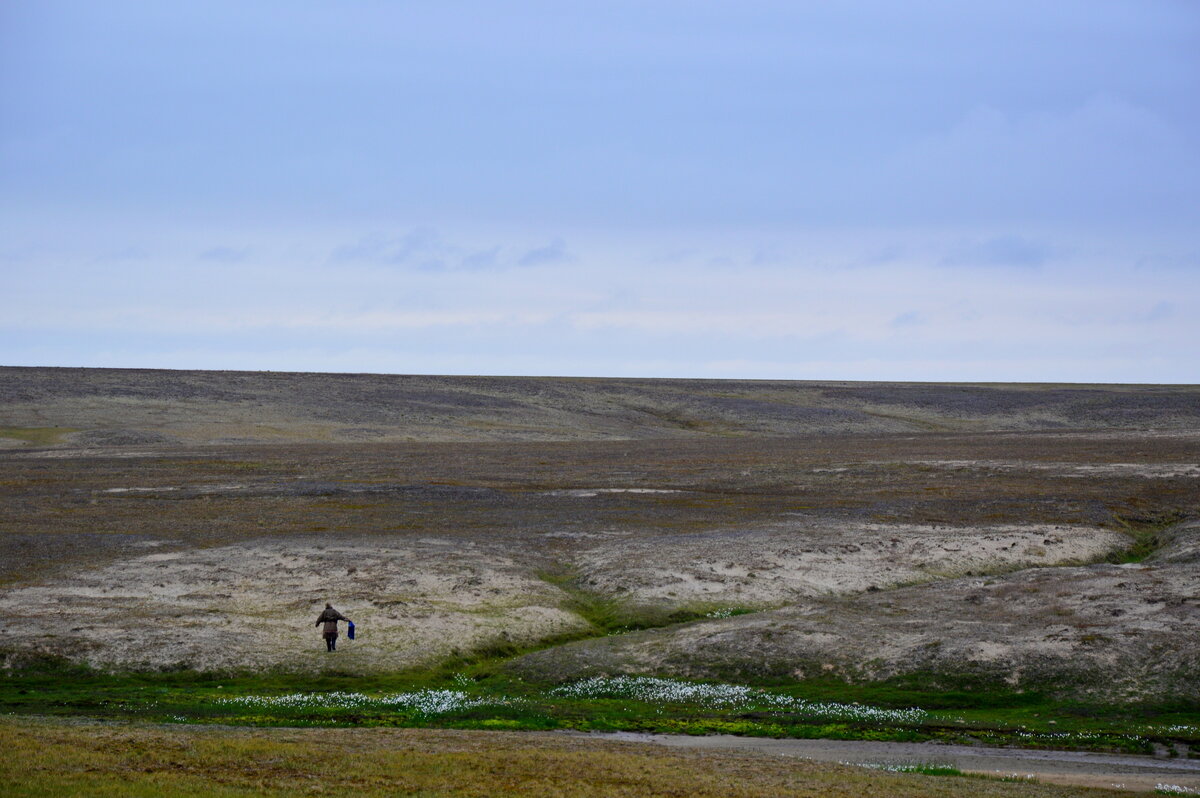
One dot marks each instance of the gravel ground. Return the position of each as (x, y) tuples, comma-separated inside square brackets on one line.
[(1084, 769)]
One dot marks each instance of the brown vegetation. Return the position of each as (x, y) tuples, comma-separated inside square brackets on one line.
[(54, 758)]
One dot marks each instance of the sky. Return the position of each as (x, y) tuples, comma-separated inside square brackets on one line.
[(859, 190)]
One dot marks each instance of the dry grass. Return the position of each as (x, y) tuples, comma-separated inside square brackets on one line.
[(45, 758), (36, 436)]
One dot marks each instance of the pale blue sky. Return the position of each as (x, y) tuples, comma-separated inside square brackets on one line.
[(851, 190)]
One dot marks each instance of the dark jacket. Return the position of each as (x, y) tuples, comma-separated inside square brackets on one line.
[(330, 617)]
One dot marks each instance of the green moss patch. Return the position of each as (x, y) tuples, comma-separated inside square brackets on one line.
[(477, 698)]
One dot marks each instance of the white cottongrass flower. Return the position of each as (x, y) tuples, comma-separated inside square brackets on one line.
[(1174, 789), (671, 691), (424, 702), (894, 767), (1071, 736)]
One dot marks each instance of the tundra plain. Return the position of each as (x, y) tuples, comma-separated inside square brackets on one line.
[(1041, 538), (1025, 533)]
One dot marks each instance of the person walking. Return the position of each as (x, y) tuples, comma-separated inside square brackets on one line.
[(330, 617)]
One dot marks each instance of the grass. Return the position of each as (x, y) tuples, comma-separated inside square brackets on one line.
[(36, 436), (925, 424), (1146, 530), (610, 615), (481, 696), (53, 758)]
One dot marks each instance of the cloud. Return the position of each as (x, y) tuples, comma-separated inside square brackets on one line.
[(425, 249), (1186, 261), (619, 308), (369, 247), (1005, 250), (483, 259), (126, 253), (554, 252), (1160, 311), (225, 254), (222, 321), (766, 255), (421, 247), (909, 319)]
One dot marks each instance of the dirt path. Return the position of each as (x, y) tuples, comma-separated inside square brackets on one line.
[(1079, 768)]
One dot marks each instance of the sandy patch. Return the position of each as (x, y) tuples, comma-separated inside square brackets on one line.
[(63, 454), (1080, 470), (253, 605), (139, 490), (196, 489), (773, 566), (587, 493), (1116, 631)]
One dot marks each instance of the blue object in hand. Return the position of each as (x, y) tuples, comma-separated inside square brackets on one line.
[(350, 629)]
